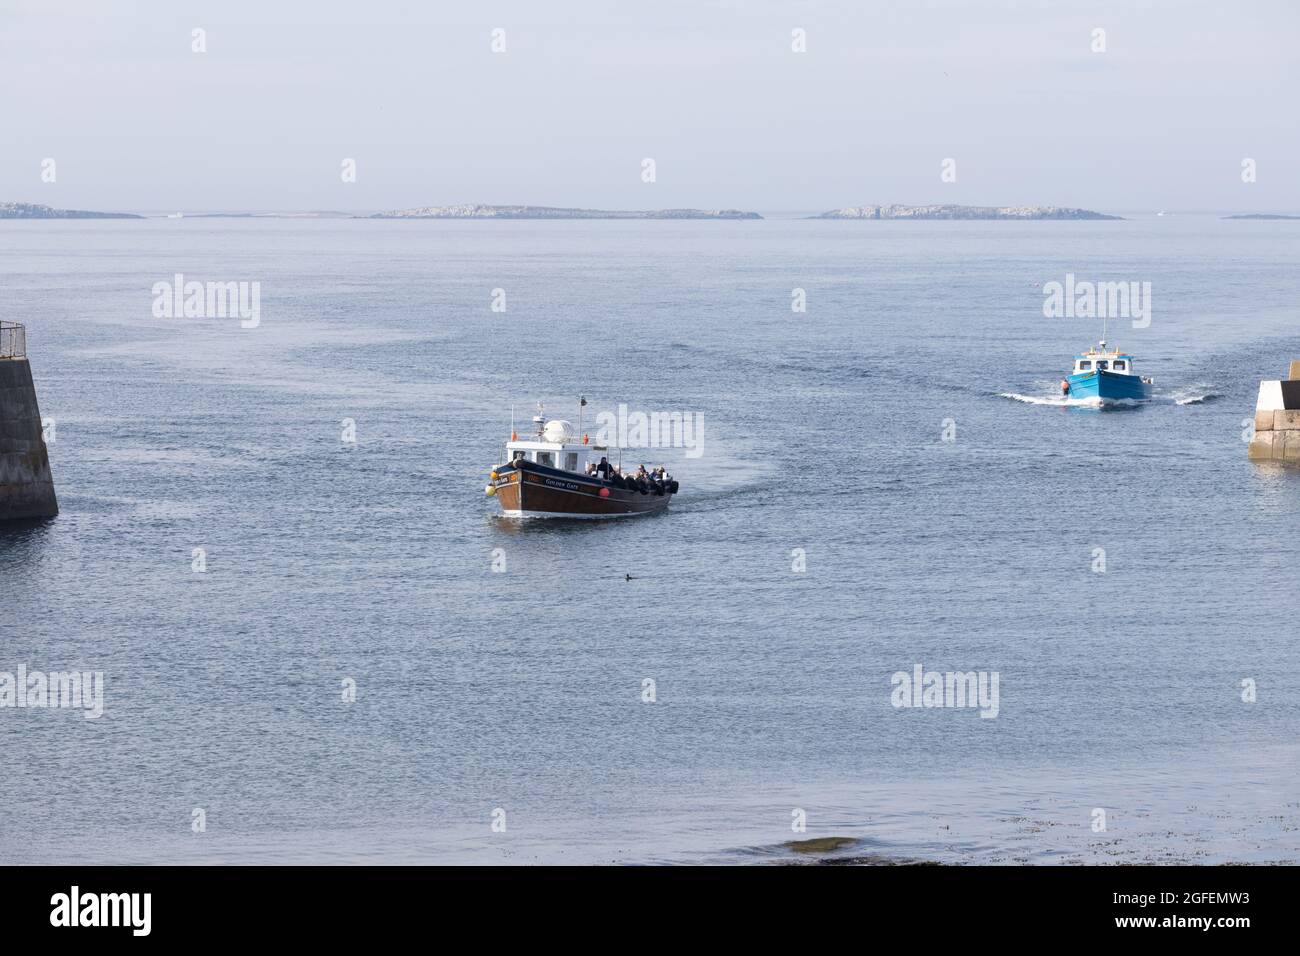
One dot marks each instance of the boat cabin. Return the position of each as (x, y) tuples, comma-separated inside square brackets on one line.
[(555, 445), (1095, 360)]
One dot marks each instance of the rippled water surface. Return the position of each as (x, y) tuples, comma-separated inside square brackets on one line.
[(522, 690)]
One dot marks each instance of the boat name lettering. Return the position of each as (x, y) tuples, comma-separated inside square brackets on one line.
[(557, 483)]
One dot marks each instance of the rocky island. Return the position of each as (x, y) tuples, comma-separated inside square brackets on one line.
[(474, 211), (31, 210), (315, 214), (947, 211)]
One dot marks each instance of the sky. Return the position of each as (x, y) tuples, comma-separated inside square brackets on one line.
[(413, 92)]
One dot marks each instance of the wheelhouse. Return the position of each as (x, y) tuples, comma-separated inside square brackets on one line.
[(1094, 361), (555, 445), (563, 456)]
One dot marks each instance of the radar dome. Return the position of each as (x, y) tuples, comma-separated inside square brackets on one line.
[(558, 430)]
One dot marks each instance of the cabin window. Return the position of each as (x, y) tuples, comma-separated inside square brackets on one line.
[(571, 461), (546, 458), (518, 453), (1085, 366), (1120, 365), (1101, 365)]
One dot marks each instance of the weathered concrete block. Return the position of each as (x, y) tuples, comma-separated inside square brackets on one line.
[(1264, 421), (1286, 418), (1280, 442), (1261, 447)]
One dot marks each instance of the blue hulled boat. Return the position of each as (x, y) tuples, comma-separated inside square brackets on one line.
[(1107, 377)]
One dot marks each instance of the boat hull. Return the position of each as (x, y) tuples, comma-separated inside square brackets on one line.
[(527, 490), (1109, 387)]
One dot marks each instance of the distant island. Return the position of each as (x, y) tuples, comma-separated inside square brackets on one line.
[(29, 210), (946, 211), (1261, 215), (474, 211), (327, 214)]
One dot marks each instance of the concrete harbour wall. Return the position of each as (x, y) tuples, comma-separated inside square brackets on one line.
[(26, 482), (1277, 420)]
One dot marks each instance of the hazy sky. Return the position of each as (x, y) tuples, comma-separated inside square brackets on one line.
[(712, 91)]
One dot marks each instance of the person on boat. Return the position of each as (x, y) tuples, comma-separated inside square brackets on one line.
[(1065, 386), (605, 469)]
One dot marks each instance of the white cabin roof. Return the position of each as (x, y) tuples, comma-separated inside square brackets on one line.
[(537, 444)]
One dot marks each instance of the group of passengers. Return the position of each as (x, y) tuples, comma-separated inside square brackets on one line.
[(655, 480)]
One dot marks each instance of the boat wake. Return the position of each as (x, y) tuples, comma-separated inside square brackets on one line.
[(1187, 396), (1062, 402)]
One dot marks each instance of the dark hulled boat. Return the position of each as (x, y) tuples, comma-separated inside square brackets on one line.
[(525, 488), (546, 477)]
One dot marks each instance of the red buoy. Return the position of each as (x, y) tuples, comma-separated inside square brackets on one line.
[(604, 492)]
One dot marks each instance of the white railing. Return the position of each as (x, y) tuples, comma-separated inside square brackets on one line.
[(13, 340)]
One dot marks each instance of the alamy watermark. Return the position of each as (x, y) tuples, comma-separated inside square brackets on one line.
[(208, 300), (56, 689), (1096, 300), (626, 429), (923, 688), (130, 910)]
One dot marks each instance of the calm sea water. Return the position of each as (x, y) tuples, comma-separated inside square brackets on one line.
[(522, 691)]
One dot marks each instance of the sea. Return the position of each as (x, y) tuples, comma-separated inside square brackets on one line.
[(320, 643)]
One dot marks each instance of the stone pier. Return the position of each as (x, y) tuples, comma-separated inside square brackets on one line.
[(26, 483), (1277, 419)]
